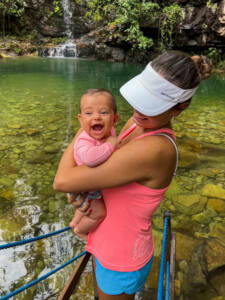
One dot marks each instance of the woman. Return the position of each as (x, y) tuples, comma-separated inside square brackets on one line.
[(135, 178)]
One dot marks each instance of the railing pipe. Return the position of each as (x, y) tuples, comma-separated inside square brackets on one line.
[(18, 243), (40, 278)]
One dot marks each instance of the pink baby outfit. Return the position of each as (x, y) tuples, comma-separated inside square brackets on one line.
[(90, 151), (123, 241)]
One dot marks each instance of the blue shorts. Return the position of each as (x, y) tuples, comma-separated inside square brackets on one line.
[(116, 283)]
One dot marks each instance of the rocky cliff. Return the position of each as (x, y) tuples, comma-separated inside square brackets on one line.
[(203, 27)]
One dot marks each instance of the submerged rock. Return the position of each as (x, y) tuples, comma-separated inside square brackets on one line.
[(213, 191), (32, 131), (5, 204), (217, 205), (185, 246), (14, 126), (12, 228), (6, 181), (219, 297), (189, 204), (215, 255), (53, 148), (7, 194), (174, 189), (217, 231), (196, 275)]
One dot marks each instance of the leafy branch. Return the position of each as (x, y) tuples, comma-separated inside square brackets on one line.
[(129, 15), (10, 8), (171, 16)]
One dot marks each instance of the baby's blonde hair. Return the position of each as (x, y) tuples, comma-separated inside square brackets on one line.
[(102, 91)]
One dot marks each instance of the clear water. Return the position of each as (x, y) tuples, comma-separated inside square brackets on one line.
[(39, 102)]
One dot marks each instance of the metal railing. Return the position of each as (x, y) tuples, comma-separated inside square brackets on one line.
[(166, 272), (167, 262)]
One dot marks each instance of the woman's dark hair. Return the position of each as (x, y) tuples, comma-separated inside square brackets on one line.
[(181, 69)]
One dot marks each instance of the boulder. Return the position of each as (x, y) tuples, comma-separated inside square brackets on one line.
[(189, 204), (217, 205), (185, 246), (213, 191), (215, 255)]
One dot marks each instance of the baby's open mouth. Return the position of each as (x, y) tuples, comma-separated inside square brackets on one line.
[(97, 127)]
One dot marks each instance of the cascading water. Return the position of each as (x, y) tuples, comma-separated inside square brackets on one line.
[(68, 49)]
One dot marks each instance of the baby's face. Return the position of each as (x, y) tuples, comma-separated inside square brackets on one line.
[(97, 116)]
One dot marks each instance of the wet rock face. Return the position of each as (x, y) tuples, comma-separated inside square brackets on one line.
[(40, 16), (203, 25)]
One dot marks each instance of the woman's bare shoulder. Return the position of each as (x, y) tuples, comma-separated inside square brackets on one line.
[(158, 146), (159, 160)]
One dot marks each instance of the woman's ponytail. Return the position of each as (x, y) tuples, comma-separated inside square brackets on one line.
[(204, 66)]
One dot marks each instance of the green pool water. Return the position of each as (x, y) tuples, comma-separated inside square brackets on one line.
[(39, 102)]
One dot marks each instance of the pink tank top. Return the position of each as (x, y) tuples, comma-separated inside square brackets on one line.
[(123, 241)]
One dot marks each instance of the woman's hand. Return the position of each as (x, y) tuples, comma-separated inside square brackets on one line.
[(79, 202)]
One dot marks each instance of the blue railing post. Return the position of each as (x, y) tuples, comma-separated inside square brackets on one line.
[(165, 257)]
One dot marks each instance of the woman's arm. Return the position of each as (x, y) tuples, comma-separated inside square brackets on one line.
[(136, 161)]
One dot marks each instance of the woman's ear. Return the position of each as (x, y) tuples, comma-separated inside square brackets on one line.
[(177, 109)]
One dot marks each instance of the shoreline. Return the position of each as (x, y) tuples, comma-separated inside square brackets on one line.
[(14, 47)]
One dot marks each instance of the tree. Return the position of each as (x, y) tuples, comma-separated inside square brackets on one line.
[(10, 8), (129, 15)]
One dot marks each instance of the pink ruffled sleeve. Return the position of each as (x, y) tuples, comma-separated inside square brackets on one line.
[(92, 155)]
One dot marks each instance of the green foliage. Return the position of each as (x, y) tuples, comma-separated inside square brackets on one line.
[(59, 40), (32, 35), (126, 15), (18, 51), (211, 5), (171, 15), (214, 55), (129, 15), (204, 26), (12, 7), (217, 57), (221, 65), (57, 9)]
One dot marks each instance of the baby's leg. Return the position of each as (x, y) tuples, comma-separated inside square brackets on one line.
[(88, 223)]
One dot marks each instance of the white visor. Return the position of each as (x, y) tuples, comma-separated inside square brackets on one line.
[(150, 94)]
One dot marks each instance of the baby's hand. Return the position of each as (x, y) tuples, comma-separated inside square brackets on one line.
[(112, 140), (71, 197)]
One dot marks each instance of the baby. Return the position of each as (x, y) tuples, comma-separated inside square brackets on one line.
[(96, 143)]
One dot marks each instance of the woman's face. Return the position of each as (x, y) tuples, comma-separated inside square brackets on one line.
[(155, 122)]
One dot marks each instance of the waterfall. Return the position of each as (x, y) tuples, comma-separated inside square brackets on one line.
[(67, 49), (68, 18)]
